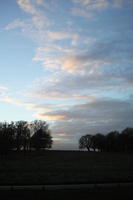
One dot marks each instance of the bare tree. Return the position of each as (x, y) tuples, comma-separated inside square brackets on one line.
[(85, 142)]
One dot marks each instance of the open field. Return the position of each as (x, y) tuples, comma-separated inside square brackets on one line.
[(65, 167), (93, 194)]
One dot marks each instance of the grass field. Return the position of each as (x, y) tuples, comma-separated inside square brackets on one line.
[(82, 194), (66, 167)]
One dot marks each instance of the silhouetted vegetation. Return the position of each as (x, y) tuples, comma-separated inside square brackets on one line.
[(23, 136), (111, 142), (41, 138)]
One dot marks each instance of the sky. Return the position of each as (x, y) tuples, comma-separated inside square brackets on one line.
[(69, 63)]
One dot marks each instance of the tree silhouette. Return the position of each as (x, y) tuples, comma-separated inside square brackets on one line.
[(127, 140), (41, 138), (110, 142), (85, 142), (99, 142), (21, 135), (6, 137)]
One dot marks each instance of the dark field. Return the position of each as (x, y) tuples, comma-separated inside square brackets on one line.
[(104, 194), (65, 167)]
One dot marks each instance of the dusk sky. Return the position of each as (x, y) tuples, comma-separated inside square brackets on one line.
[(68, 62)]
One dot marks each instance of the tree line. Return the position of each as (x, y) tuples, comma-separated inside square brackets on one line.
[(24, 136), (114, 141)]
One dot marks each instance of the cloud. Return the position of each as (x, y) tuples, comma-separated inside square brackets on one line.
[(121, 3), (67, 87), (49, 116), (86, 86), (39, 21), (3, 88), (102, 4), (72, 64), (50, 49), (99, 113), (27, 6), (84, 62), (36, 21), (17, 23), (81, 12), (61, 35), (72, 60), (62, 134), (67, 59), (88, 8), (44, 94), (3, 91), (99, 116), (15, 101), (103, 53), (98, 5), (52, 55), (101, 110)]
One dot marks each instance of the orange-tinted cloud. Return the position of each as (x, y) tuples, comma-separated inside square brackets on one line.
[(62, 134), (51, 116)]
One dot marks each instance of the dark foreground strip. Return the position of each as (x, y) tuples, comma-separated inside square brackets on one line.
[(62, 187)]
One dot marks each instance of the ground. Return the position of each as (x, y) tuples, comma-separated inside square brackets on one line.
[(80, 194), (65, 167)]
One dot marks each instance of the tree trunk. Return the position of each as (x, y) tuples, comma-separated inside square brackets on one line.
[(88, 148)]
